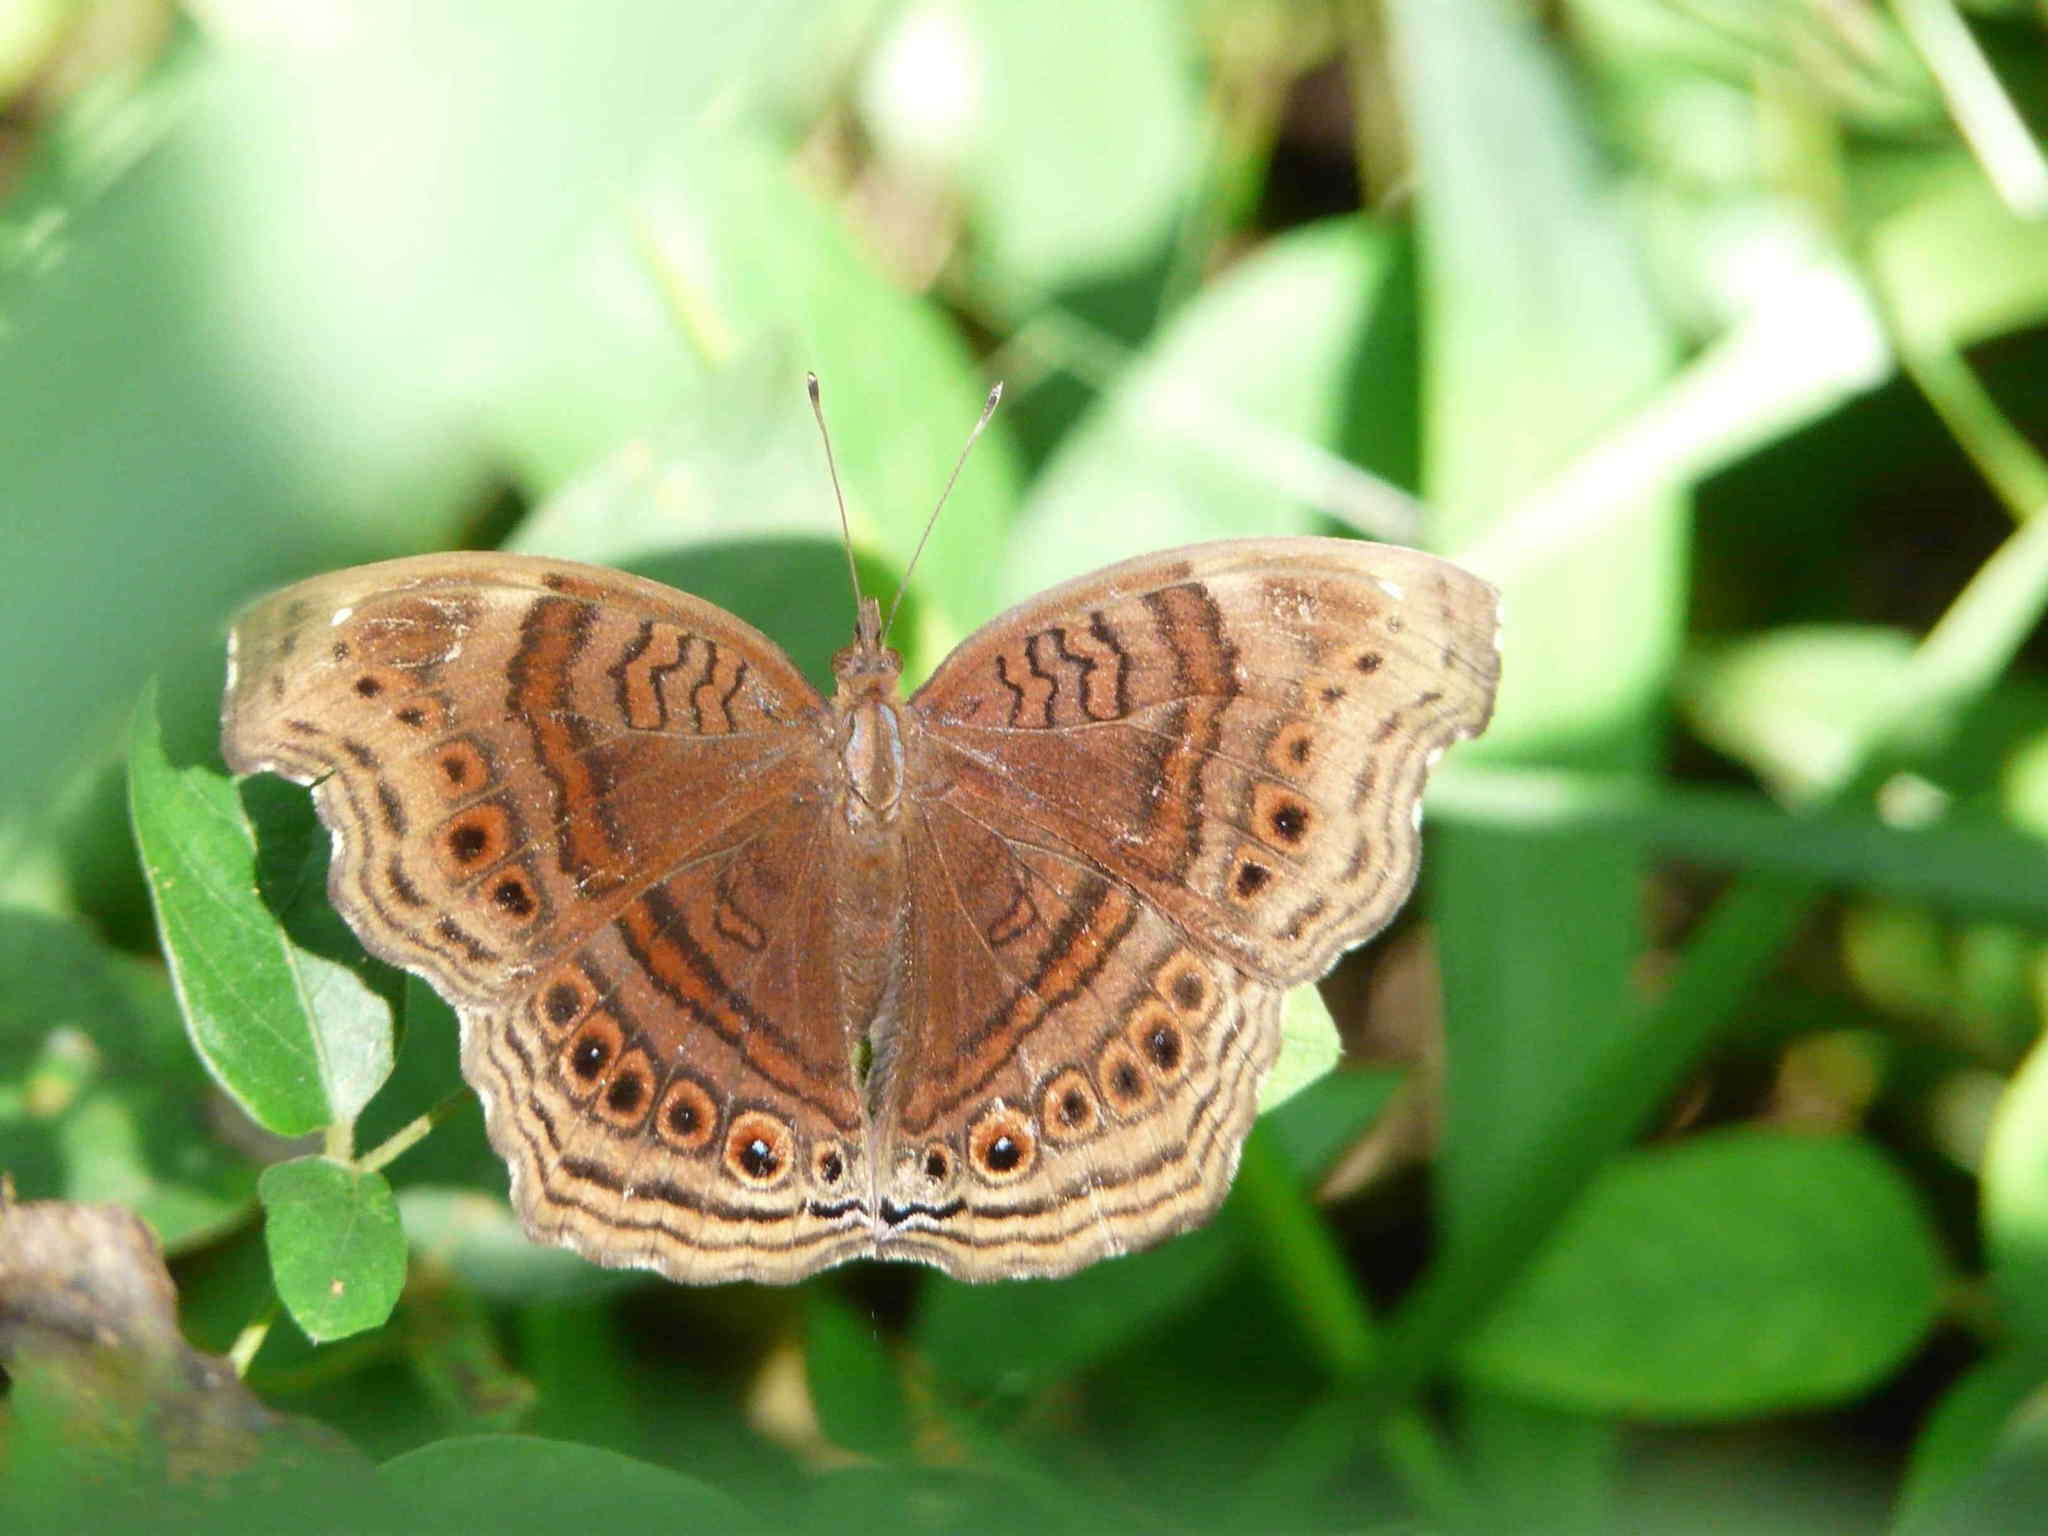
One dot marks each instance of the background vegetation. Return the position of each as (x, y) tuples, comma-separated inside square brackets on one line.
[(1688, 1168)]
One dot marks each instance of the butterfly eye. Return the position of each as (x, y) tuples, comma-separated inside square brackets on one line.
[(1251, 878), (1002, 1144), (474, 841), (758, 1148), (828, 1163), (688, 1115), (1066, 1106), (591, 1050), (565, 999), (1125, 1086), (1281, 816), (1184, 984), (512, 894), (628, 1093), (938, 1162), (461, 769), (1156, 1034)]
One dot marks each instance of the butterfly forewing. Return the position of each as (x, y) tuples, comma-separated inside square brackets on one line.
[(1239, 731)]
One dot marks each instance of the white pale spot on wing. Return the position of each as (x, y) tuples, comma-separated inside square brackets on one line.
[(341, 617), (1294, 606), (1391, 588), (1415, 813), (1436, 755), (234, 640)]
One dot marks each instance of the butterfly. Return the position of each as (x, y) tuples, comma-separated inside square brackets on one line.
[(752, 981)]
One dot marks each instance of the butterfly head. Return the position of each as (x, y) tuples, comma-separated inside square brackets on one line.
[(867, 668)]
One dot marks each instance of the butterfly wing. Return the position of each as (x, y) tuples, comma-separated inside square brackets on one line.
[(1071, 1078), (582, 806), (1148, 802)]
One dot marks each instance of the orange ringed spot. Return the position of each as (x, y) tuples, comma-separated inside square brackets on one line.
[(759, 1149)]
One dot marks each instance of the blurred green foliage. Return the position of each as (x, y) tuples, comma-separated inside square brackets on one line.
[(1711, 333)]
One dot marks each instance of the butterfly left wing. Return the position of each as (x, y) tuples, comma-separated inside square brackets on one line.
[(588, 809), (1155, 798)]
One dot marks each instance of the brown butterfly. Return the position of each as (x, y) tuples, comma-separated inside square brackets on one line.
[(752, 982)]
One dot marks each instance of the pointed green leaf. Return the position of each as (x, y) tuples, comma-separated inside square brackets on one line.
[(299, 1038)]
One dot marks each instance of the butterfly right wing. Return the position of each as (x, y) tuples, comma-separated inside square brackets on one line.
[(1147, 802)]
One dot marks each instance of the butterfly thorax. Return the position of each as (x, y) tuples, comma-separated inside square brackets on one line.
[(870, 729)]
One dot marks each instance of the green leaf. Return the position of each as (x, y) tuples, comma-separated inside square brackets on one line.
[(1959, 266), (1059, 81), (1539, 335), (1959, 1438), (1232, 422), (98, 1084), (1538, 1469), (299, 1039), (854, 1382), (2005, 1491), (1739, 1272), (1013, 1337), (455, 1348), (753, 283), (1309, 1047), (2015, 1195), (979, 1498), (1328, 1115), (1967, 864), (1795, 704), (310, 395), (336, 1247), (474, 1237), (518, 1483)]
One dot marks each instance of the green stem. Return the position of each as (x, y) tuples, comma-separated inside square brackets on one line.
[(1304, 1262), (411, 1133)]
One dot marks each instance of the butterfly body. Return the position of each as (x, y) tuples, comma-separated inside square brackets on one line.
[(752, 982)]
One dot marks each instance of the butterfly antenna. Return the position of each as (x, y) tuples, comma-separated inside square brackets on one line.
[(832, 469), (988, 409)]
